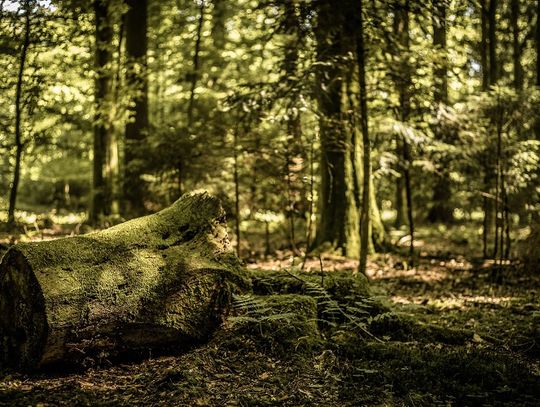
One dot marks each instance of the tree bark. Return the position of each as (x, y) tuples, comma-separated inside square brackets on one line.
[(338, 212), (160, 282), (441, 211), (516, 44), (102, 128), (489, 40), (136, 129), (484, 46), (366, 145), (341, 170), (194, 75), (492, 43), (219, 16), (295, 154), (537, 43), (404, 83), (19, 145)]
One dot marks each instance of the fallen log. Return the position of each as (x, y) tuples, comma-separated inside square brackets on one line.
[(157, 282)]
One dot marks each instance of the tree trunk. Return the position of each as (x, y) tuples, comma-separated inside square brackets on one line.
[(484, 46), (516, 44), (136, 48), (489, 39), (366, 145), (295, 153), (404, 83), (341, 169), (537, 43), (400, 206), (236, 193), (19, 146), (102, 128), (442, 210), (219, 16), (338, 212), (492, 44), (194, 74), (160, 282)]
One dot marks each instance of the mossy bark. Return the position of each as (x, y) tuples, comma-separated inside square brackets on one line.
[(341, 170), (160, 281)]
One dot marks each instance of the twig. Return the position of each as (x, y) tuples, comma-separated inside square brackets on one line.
[(322, 270)]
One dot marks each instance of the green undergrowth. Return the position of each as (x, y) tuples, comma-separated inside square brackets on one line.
[(431, 374)]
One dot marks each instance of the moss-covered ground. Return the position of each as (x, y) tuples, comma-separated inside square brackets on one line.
[(451, 331)]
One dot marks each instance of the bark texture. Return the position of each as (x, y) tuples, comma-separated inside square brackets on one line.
[(160, 282), (102, 126), (137, 127), (341, 168)]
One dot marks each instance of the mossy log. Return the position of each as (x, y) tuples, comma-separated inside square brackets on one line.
[(157, 282)]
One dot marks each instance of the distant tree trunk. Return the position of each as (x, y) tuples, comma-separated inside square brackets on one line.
[(294, 151), (102, 129), (442, 210), (401, 29), (492, 45), (137, 127), (236, 192), (401, 202), (439, 42), (112, 167), (366, 145), (493, 204), (537, 41), (484, 46), (402, 79), (194, 74), (218, 23), (19, 145), (490, 78), (516, 44)]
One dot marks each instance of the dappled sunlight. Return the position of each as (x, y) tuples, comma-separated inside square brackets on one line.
[(454, 302)]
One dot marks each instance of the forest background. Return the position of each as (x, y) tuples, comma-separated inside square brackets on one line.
[(302, 116)]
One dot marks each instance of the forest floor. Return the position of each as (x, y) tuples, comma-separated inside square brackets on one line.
[(456, 331)]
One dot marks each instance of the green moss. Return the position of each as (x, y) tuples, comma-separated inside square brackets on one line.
[(168, 269), (460, 375)]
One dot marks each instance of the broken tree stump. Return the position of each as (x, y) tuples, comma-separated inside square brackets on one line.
[(156, 282)]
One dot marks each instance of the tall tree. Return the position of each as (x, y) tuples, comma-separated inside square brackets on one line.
[(194, 74), (137, 126), (537, 44), (516, 44), (19, 145), (441, 210), (341, 169), (102, 129), (404, 84), (492, 42), (366, 145), (489, 79), (294, 155), (484, 45), (338, 212)]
